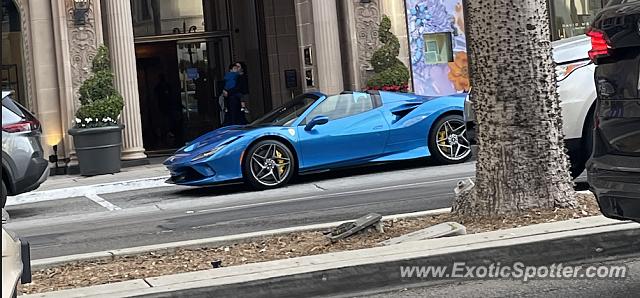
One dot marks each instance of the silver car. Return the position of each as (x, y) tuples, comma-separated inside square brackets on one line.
[(16, 261), (23, 165)]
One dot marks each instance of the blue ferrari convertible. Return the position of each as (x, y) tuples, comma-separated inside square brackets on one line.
[(315, 132)]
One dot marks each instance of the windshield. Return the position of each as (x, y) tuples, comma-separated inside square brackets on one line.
[(618, 2), (288, 113)]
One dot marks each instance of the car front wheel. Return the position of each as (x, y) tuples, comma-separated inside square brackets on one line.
[(447, 142), (269, 164)]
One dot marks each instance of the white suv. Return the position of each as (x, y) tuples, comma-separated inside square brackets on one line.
[(577, 97)]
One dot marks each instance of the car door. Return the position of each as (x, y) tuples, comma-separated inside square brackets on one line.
[(356, 131)]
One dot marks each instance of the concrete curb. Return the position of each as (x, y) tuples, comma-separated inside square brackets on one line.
[(214, 241), (79, 191), (366, 269)]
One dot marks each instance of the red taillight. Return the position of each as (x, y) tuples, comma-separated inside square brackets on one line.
[(22, 126), (599, 46)]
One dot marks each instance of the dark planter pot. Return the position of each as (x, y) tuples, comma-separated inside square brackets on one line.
[(98, 149)]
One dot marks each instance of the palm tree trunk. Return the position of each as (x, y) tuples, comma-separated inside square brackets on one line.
[(521, 161)]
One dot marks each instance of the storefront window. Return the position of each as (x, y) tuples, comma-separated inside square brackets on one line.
[(437, 48), (162, 17), (572, 17), (11, 69)]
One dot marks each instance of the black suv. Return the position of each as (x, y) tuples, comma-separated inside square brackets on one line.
[(614, 168)]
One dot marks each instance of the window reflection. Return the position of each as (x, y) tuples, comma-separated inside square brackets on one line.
[(572, 17), (160, 17)]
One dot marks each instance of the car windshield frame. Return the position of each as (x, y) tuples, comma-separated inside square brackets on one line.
[(287, 114)]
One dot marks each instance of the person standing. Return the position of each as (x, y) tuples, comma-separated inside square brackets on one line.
[(235, 91)]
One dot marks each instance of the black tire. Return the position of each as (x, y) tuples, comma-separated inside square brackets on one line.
[(432, 141), (577, 163), (579, 158), (281, 163), (4, 194)]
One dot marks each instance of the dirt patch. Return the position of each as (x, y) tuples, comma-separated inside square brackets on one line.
[(89, 273)]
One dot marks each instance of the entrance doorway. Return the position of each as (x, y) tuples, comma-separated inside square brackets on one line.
[(11, 66), (178, 83), (183, 50)]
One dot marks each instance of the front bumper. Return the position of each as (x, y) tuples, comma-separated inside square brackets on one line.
[(201, 174), (615, 180)]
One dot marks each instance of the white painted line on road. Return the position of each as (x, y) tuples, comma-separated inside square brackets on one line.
[(82, 191), (330, 195), (102, 202)]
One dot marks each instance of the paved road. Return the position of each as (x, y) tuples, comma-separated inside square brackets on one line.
[(597, 288), (168, 214)]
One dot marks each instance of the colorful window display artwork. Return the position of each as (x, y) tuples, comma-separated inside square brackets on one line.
[(438, 46)]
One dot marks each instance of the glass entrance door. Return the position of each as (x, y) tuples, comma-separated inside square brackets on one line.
[(179, 84), (201, 67)]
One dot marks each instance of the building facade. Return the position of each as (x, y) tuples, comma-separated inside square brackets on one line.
[(169, 57)]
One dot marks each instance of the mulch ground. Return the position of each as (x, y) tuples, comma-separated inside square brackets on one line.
[(89, 273)]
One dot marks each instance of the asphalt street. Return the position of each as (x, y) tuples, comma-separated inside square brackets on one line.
[(168, 214), (585, 287)]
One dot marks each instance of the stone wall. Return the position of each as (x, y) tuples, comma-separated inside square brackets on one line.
[(359, 23), (282, 47)]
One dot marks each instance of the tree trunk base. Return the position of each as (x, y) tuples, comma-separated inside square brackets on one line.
[(467, 204)]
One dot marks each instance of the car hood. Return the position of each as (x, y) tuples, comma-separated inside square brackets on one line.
[(218, 136), (571, 49), (209, 141)]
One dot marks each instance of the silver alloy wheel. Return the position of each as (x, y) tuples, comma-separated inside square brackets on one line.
[(451, 142), (270, 164)]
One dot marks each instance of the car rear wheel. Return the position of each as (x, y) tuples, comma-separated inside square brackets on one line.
[(447, 142), (579, 158), (268, 164), (4, 194)]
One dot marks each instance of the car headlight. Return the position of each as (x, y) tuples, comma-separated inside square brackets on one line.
[(565, 70), (215, 150), (206, 154)]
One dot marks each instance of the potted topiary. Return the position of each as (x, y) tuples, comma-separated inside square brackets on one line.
[(97, 135), (390, 73)]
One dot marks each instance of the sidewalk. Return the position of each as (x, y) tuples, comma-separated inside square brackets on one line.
[(131, 173), (69, 186), (366, 269)]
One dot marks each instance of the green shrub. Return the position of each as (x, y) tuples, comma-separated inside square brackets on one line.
[(390, 73), (101, 104)]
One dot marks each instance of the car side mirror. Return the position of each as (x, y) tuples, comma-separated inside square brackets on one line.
[(317, 120)]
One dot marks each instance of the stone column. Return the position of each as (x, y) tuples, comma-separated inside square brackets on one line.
[(123, 60), (327, 42), (44, 68)]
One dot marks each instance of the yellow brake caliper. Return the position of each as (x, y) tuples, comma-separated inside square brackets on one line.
[(280, 162), (442, 137)]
